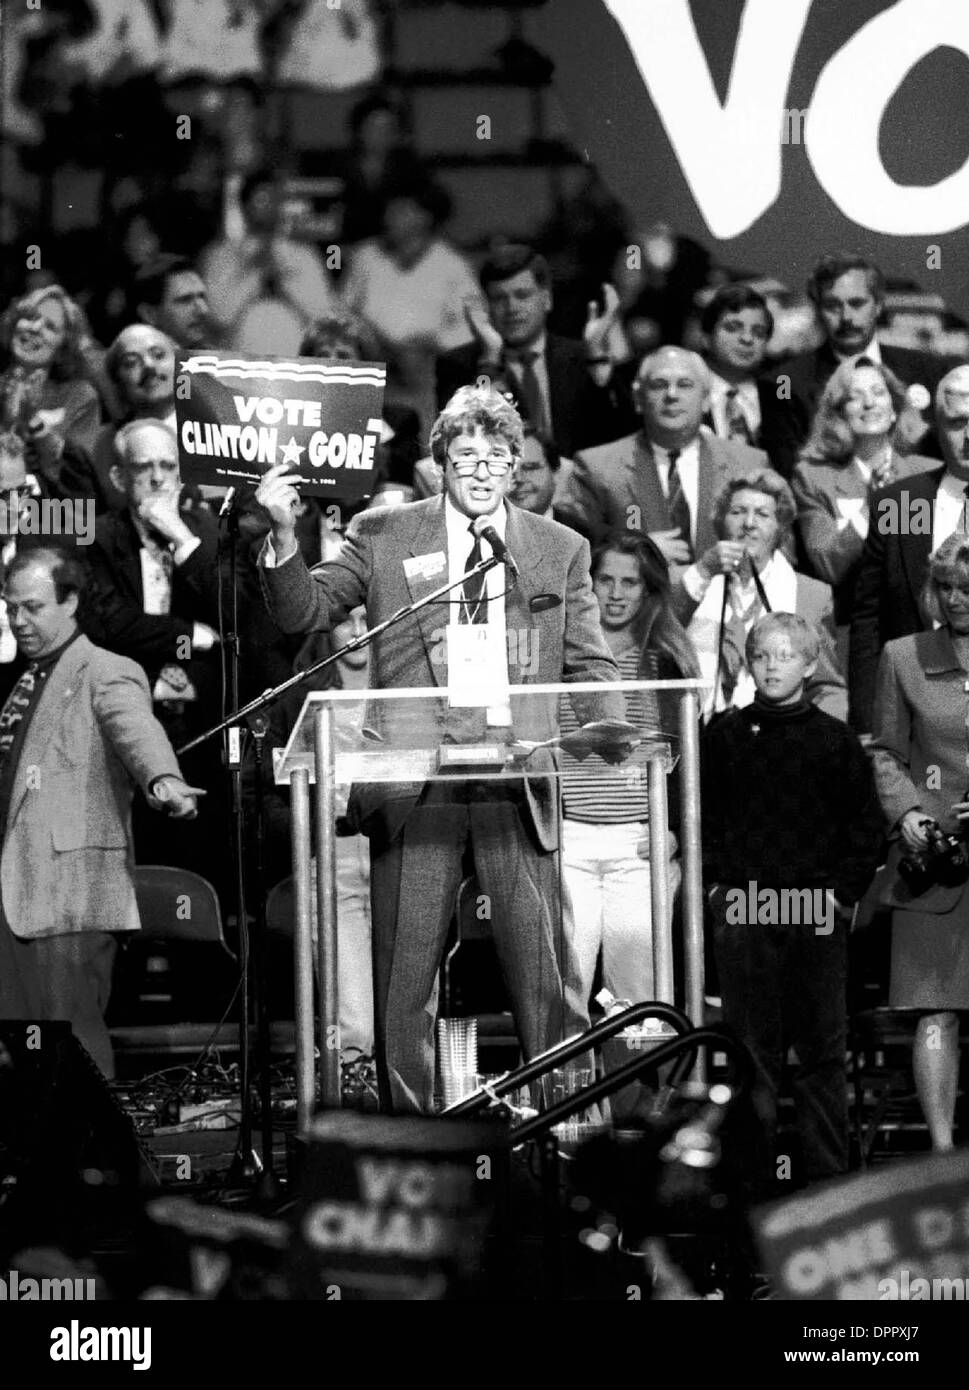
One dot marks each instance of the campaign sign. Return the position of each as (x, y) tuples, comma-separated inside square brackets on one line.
[(395, 1208), (237, 417), (900, 1234)]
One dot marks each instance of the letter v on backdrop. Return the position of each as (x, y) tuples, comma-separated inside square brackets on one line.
[(685, 107)]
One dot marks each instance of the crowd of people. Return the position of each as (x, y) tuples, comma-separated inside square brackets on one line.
[(792, 531)]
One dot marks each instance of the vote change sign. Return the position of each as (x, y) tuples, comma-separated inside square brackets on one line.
[(237, 417), (900, 1234)]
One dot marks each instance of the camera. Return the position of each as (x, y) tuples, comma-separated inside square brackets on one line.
[(945, 861)]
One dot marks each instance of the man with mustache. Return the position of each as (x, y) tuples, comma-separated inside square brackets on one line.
[(170, 295), (848, 293), (141, 366)]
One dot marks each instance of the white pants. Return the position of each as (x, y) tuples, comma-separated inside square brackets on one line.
[(607, 875)]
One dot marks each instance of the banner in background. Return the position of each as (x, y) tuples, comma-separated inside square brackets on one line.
[(237, 417), (776, 131)]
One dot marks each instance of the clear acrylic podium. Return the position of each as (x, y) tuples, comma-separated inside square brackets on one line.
[(366, 746)]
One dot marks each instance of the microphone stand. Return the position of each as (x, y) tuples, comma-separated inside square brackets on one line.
[(246, 1166), (273, 693), (246, 1163)]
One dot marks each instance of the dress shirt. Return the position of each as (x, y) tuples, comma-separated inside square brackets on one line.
[(873, 352), (949, 512), (747, 399), (514, 365), (459, 544)]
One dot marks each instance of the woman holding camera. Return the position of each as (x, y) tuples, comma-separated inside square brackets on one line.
[(920, 750)]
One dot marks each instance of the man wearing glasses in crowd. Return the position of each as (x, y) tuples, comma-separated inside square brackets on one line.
[(485, 634)]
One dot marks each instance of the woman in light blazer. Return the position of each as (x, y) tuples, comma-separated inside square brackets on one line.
[(855, 447), (920, 750)]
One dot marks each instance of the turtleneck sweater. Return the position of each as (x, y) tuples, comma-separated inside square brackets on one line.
[(788, 800)]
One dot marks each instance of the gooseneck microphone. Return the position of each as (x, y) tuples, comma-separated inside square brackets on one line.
[(484, 530)]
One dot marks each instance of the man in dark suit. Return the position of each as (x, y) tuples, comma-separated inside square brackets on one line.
[(910, 519), (153, 597), (77, 735), (555, 381), (664, 479), (848, 293), (745, 405), (418, 831)]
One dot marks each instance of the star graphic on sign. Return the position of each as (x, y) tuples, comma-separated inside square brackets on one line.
[(292, 451)]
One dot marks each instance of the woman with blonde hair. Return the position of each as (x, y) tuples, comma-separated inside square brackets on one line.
[(920, 751), (857, 445), (46, 394)]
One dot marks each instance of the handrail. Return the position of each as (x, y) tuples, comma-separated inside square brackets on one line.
[(574, 1047), (686, 1043)]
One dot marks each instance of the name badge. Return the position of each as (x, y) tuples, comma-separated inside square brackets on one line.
[(425, 566), (477, 666)]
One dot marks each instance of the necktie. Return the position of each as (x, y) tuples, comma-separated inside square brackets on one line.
[(532, 396), (737, 423), (740, 618), (677, 505), (16, 706), (474, 609)]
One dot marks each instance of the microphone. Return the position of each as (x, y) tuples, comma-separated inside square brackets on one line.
[(227, 502), (484, 530)]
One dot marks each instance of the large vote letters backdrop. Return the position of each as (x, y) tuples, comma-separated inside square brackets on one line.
[(777, 130)]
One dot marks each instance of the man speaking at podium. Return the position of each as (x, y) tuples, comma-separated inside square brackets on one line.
[(542, 625)]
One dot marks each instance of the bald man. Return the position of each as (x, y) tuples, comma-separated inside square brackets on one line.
[(664, 478), (910, 519), (77, 736)]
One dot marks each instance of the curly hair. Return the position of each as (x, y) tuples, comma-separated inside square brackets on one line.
[(476, 408), (69, 362), (767, 482)]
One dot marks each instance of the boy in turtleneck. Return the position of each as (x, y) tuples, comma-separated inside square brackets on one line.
[(791, 837)]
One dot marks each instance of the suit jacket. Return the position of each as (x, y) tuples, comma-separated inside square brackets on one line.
[(783, 426), (620, 480), (887, 586), (113, 614), (834, 555), (919, 748), (809, 373), (68, 855), (582, 413), (813, 601), (372, 569)]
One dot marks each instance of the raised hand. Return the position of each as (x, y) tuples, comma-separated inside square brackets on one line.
[(598, 326), (489, 339), (278, 497), (674, 547)]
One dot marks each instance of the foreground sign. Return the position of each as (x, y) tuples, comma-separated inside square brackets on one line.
[(237, 417), (900, 1234)]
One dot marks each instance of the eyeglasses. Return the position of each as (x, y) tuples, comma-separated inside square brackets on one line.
[(466, 462)]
